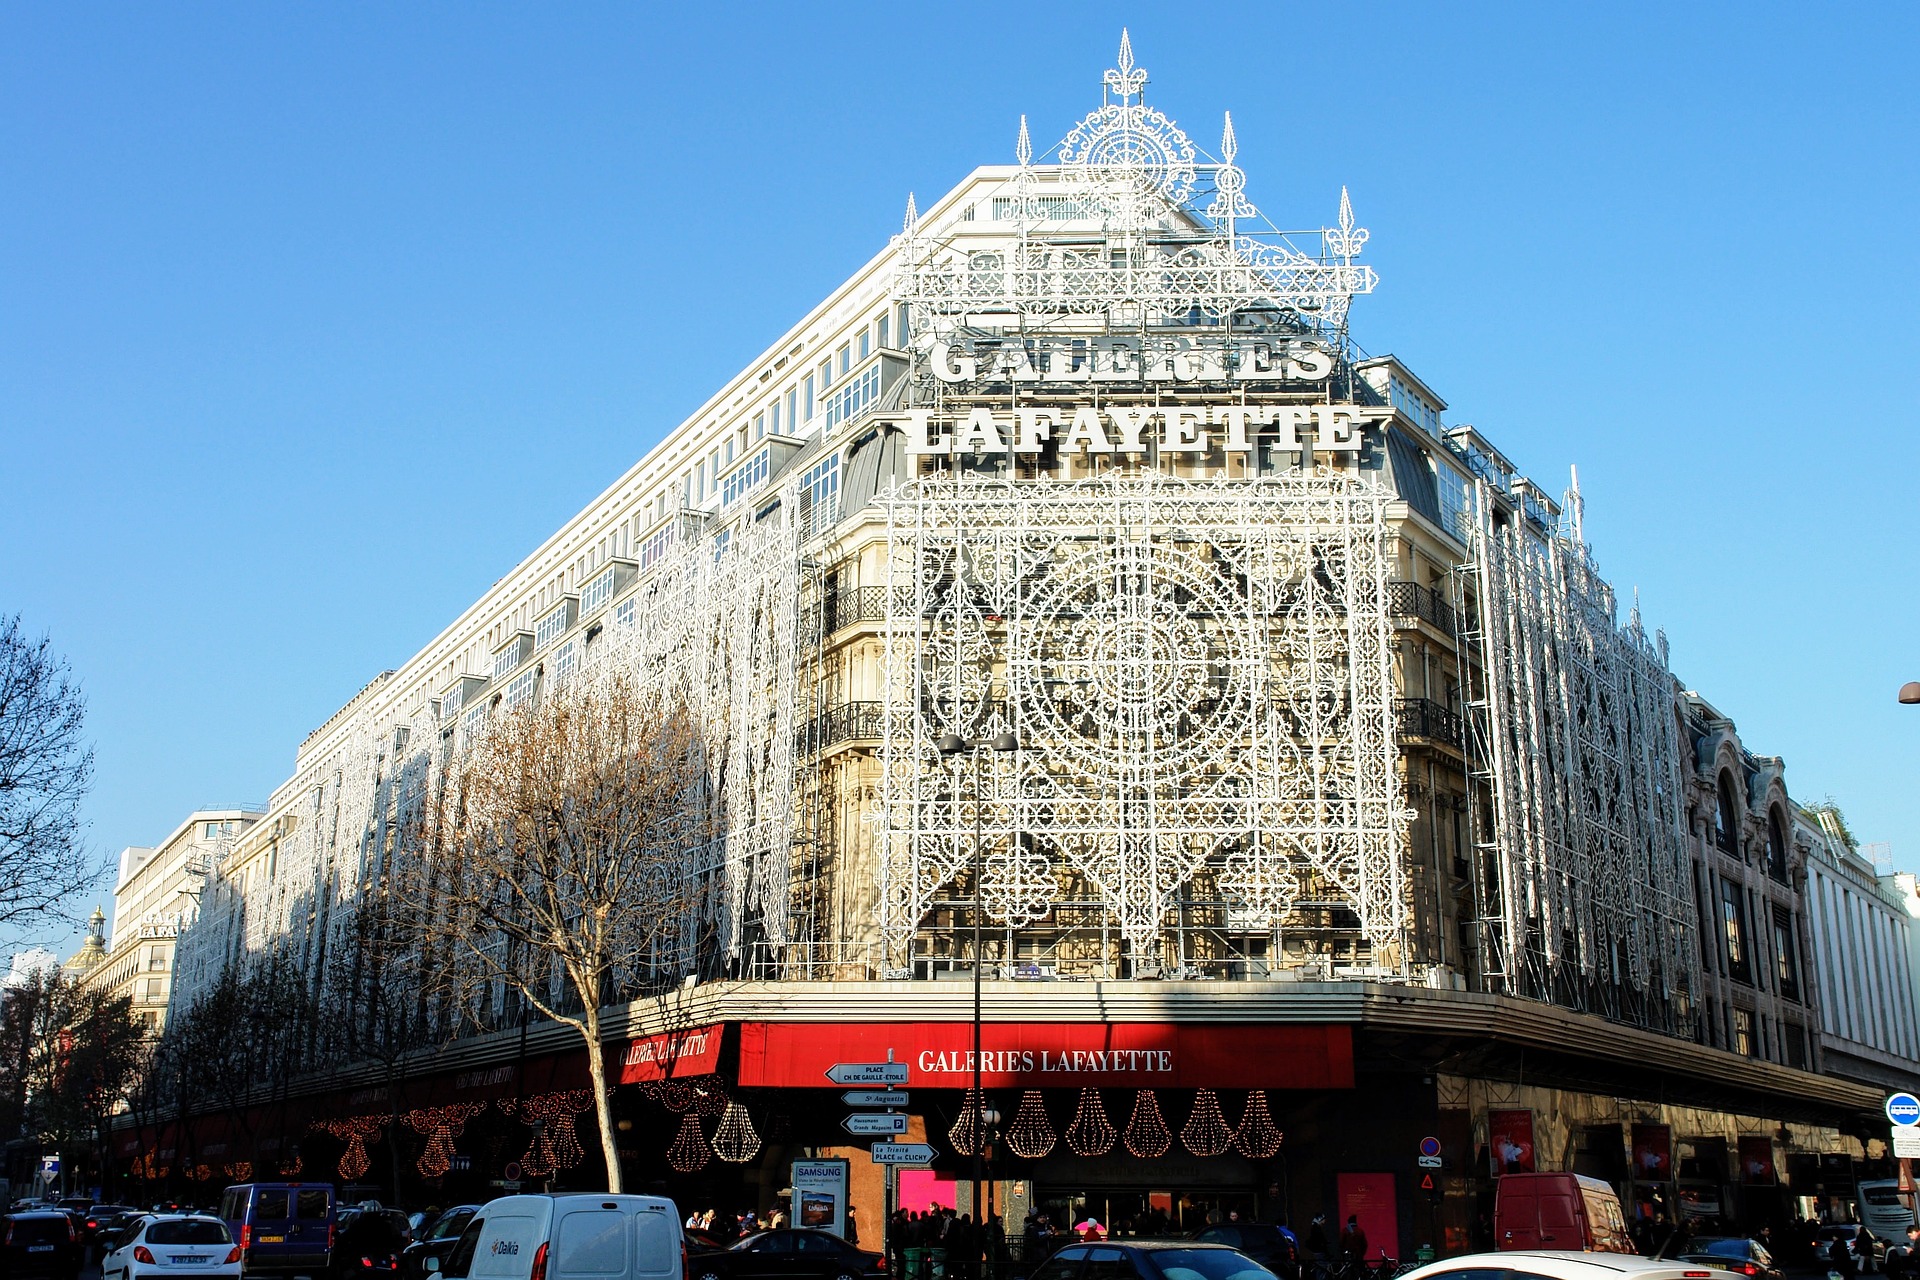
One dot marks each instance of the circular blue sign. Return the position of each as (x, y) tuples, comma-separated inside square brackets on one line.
[(1903, 1109), (1429, 1146)]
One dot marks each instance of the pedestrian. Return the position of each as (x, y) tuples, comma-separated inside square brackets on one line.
[(1353, 1240), (1863, 1249), (1317, 1238), (853, 1228), (1840, 1258)]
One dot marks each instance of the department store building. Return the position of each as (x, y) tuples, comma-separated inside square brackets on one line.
[(1319, 808)]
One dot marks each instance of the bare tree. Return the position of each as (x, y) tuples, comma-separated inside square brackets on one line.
[(45, 768), (556, 861)]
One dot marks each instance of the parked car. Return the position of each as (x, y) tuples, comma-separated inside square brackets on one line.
[(368, 1240), (787, 1252), (1850, 1231), (1733, 1253), (435, 1240), (564, 1236), (1150, 1260), (103, 1220), (40, 1242), (1558, 1211), (1557, 1265), (1268, 1245), (284, 1228), (174, 1244)]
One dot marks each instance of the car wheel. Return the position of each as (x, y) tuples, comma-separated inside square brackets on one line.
[(846, 1275), (709, 1275)]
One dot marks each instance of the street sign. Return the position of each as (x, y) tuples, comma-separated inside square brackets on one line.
[(1429, 1162), (1429, 1146), (871, 1123), (1903, 1109), (875, 1097), (1906, 1142), (1426, 1182), (868, 1073), (49, 1165), (902, 1153)]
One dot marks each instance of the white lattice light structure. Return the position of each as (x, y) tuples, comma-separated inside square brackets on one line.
[(1200, 675)]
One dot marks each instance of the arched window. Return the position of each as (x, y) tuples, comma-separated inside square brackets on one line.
[(1726, 824), (1776, 847)]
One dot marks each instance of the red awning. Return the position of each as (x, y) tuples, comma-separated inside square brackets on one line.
[(939, 1055), (672, 1055)]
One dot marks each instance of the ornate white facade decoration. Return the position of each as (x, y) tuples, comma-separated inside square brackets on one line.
[(1199, 675)]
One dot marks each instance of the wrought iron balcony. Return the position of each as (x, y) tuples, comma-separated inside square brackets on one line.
[(1424, 720), (1411, 600), (848, 722)]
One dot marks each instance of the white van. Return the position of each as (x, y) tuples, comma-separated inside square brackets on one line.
[(582, 1236)]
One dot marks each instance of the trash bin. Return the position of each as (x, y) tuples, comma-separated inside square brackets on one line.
[(926, 1264)]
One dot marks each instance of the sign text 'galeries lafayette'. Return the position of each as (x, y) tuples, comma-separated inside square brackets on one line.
[(1136, 429), (1130, 359)]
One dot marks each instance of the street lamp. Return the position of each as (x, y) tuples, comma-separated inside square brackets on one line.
[(951, 745)]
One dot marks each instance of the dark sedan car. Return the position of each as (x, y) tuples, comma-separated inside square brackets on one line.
[(1733, 1253), (436, 1240), (799, 1253), (1150, 1260), (41, 1242), (1268, 1245)]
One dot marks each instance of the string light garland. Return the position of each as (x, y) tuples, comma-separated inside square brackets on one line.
[(710, 1097), (965, 1134), (203, 1173), (689, 1152), (354, 1131), (1258, 1137), (556, 1144), (440, 1125), (674, 1095), (292, 1168), (735, 1141), (1091, 1133), (1146, 1134), (1032, 1133), (1206, 1132), (241, 1171)]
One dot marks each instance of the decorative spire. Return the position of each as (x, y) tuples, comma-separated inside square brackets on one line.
[(1229, 145), (912, 222), (1126, 79), (1345, 240), (1023, 146), (1229, 183)]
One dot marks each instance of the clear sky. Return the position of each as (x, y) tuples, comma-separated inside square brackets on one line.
[(316, 318)]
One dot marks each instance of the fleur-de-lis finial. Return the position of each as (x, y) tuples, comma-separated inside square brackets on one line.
[(1126, 79), (1229, 184), (1023, 147), (1346, 239)]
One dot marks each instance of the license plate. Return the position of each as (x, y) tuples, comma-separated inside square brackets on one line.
[(39, 1248), (189, 1257), (273, 1239)]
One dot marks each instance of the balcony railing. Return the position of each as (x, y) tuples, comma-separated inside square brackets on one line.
[(848, 722), (1423, 719), (1411, 600)]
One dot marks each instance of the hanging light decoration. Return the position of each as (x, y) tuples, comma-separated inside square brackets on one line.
[(354, 1131), (965, 1134), (1257, 1138), (441, 1125), (1091, 1133), (710, 1097), (674, 1095), (735, 1141), (241, 1171), (1206, 1132), (1032, 1133), (556, 1144), (1146, 1134), (689, 1150), (292, 1168)]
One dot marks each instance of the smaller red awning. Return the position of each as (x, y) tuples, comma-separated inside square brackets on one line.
[(672, 1055)]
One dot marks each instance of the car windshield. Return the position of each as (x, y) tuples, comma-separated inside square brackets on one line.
[(188, 1232), (1721, 1246), (450, 1227), (1207, 1264)]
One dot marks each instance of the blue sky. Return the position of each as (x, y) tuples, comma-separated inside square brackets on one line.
[(314, 319)]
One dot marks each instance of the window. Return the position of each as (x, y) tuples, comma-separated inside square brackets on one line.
[(597, 592), (1743, 1032), (825, 375), (549, 628), (1063, 1265), (901, 328), (591, 1242), (655, 547), (506, 660), (866, 345), (450, 701), (820, 493), (1785, 955), (849, 401), (273, 1206), (566, 661), (880, 332), (1726, 821), (623, 613), (520, 689), (1776, 847), (471, 723), (1733, 923), (154, 986), (759, 428), (746, 479), (806, 400), (156, 959), (845, 358), (1456, 500), (793, 404)]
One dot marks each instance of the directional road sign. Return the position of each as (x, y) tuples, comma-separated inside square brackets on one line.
[(867, 1123), (1903, 1109), (902, 1153), (875, 1097), (868, 1073)]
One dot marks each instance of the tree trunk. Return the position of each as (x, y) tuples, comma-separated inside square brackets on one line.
[(602, 1103)]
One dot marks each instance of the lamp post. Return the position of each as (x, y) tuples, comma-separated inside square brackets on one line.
[(952, 745)]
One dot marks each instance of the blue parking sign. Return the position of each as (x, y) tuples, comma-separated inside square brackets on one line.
[(1903, 1109)]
